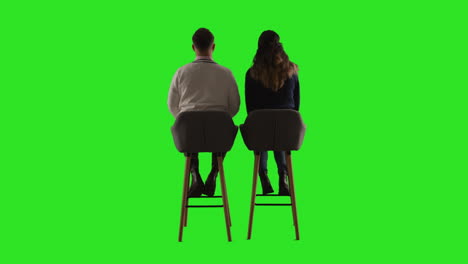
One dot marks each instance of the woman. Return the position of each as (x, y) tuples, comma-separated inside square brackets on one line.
[(272, 83)]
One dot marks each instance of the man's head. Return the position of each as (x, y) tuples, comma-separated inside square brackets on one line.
[(203, 42)]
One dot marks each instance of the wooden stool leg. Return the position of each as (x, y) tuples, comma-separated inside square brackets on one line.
[(254, 192), (186, 207), (183, 214), (227, 201), (229, 212), (226, 194), (186, 216), (292, 191), (225, 198)]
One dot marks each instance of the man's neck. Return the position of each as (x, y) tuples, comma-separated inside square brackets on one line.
[(203, 57)]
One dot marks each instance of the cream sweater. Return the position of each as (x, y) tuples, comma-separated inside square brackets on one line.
[(203, 85)]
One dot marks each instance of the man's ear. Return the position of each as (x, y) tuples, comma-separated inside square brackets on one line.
[(212, 48), (193, 47)]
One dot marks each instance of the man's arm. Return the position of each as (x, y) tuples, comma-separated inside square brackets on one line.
[(233, 97), (174, 96)]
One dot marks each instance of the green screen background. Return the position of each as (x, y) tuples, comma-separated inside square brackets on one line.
[(90, 173)]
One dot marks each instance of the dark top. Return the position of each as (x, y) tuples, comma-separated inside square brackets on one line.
[(259, 97)]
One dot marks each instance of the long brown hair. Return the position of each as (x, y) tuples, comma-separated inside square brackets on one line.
[(271, 64)]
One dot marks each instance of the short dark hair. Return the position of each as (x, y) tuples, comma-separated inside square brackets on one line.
[(202, 39)]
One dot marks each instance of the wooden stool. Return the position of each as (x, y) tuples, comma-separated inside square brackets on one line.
[(204, 131), (276, 130)]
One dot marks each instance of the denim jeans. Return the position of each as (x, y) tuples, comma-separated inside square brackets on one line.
[(280, 157)]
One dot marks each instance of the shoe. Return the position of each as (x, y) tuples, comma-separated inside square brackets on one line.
[(210, 183), (197, 187), (283, 183), (266, 185)]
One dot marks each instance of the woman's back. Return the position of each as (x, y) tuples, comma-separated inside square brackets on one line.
[(272, 81), (257, 96)]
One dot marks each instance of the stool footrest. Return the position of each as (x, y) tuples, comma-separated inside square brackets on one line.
[(271, 195), (204, 206), (273, 204), (216, 196)]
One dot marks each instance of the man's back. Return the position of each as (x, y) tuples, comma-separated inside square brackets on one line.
[(203, 85)]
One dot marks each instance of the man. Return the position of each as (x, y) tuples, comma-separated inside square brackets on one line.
[(199, 86)]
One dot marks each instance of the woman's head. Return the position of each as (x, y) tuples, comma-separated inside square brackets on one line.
[(271, 64)]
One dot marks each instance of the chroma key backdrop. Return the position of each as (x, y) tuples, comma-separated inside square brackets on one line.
[(90, 174)]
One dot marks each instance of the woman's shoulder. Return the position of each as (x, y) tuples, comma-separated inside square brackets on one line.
[(294, 69), (291, 81), (294, 77), (247, 73)]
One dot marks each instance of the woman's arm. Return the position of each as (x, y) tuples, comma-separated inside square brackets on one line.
[(297, 94), (248, 92)]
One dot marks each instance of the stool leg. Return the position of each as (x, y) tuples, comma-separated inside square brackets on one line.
[(183, 214), (186, 216), (227, 202), (229, 212), (186, 207), (292, 192), (254, 192), (225, 198)]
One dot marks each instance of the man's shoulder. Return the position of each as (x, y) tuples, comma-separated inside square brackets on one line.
[(209, 66), (223, 68), (185, 67)]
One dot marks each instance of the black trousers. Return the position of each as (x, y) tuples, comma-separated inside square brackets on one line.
[(194, 163), (280, 158)]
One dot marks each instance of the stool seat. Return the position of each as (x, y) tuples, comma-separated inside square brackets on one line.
[(273, 129), (204, 131)]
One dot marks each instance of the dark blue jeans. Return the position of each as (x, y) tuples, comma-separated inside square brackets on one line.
[(280, 157)]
